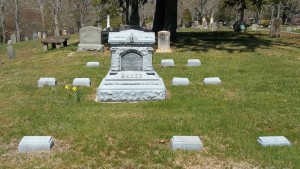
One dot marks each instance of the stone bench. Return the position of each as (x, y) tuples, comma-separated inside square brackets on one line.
[(55, 41)]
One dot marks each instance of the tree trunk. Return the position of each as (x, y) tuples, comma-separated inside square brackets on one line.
[(2, 20), (134, 16), (17, 20), (159, 16), (170, 23), (242, 10)]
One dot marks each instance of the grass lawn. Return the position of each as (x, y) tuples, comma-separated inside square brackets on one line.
[(259, 96)]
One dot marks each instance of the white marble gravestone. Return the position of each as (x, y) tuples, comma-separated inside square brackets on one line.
[(92, 64), (10, 50), (131, 76), (47, 81), (193, 62), (180, 81), (82, 82), (167, 62), (13, 38), (273, 141), (90, 39), (212, 80), (288, 29), (186, 143), (163, 38), (35, 143), (35, 36)]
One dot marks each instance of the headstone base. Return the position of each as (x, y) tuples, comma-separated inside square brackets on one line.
[(89, 47), (35, 143), (186, 143), (128, 86), (273, 141)]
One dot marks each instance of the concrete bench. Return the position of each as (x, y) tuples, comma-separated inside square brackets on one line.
[(55, 41)]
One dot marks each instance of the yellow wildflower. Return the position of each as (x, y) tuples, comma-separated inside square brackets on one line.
[(67, 87), (74, 89)]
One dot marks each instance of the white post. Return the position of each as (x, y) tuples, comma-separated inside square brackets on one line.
[(108, 22)]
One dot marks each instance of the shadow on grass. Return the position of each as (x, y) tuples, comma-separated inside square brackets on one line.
[(226, 41)]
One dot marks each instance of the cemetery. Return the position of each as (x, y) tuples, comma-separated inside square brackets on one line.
[(207, 94)]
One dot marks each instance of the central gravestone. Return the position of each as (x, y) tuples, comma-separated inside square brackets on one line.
[(131, 76)]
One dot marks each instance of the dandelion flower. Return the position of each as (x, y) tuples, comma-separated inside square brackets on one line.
[(74, 89), (67, 87)]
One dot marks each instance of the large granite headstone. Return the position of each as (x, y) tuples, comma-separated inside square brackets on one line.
[(131, 76), (163, 41), (13, 38), (90, 39)]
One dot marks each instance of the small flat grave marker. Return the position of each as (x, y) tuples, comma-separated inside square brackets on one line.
[(92, 64), (186, 143), (273, 141), (167, 62), (82, 82), (35, 143), (194, 62), (47, 81), (212, 80), (180, 81)]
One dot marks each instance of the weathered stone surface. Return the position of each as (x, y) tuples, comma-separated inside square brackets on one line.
[(186, 143), (35, 36), (35, 143), (167, 62), (163, 41), (90, 39), (47, 81), (56, 32), (194, 62), (26, 38), (10, 52), (82, 82), (180, 81), (288, 29), (214, 26), (254, 27), (273, 141), (13, 38), (92, 64), (212, 80), (131, 76)]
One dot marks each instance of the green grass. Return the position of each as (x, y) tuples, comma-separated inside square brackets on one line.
[(259, 96)]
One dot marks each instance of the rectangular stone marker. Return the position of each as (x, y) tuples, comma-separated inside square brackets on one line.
[(92, 64), (26, 38), (214, 26), (212, 80), (180, 81), (186, 143), (35, 143), (167, 62), (90, 39), (35, 36), (163, 41), (47, 81), (82, 82), (13, 38), (288, 29), (273, 141), (194, 62), (10, 52)]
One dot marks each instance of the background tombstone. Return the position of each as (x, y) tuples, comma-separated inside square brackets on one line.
[(44, 35), (214, 26), (90, 39), (35, 36), (26, 38), (56, 32), (39, 35), (275, 28), (10, 51), (13, 38), (288, 29), (254, 27), (163, 41), (18, 36)]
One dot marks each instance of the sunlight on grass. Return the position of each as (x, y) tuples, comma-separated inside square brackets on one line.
[(259, 95)]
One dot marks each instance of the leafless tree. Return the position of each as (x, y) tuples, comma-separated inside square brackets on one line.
[(2, 20), (15, 6), (56, 7)]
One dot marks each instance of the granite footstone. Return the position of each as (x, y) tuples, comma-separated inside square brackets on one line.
[(92, 64), (167, 62), (194, 62), (212, 81), (35, 144), (47, 81), (82, 82), (180, 81), (273, 141), (186, 143)]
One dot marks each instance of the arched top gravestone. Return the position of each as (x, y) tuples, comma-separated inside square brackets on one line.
[(90, 39)]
